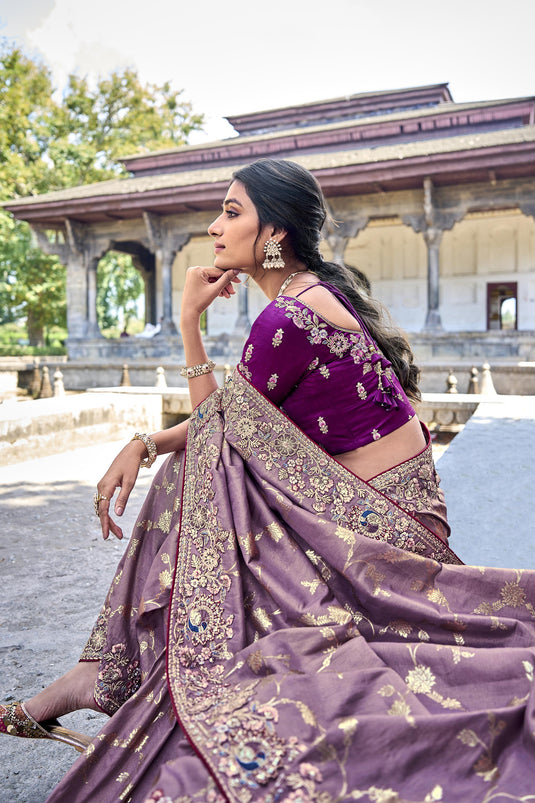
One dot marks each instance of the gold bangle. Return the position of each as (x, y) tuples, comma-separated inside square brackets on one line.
[(150, 447), (197, 370)]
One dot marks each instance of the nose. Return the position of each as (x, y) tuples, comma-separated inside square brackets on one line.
[(213, 228)]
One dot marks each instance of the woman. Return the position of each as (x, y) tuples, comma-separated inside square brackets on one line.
[(288, 623)]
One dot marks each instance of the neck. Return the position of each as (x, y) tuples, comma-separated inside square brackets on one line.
[(270, 281)]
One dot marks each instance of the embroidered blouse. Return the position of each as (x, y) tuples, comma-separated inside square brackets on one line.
[(334, 383)]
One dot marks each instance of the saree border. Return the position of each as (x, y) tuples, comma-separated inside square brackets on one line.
[(378, 512)]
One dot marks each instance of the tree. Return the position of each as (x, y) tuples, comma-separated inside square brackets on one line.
[(48, 143), (96, 127), (32, 284)]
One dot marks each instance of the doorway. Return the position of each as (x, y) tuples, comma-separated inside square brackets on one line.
[(502, 305)]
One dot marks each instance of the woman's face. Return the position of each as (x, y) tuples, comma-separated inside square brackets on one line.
[(237, 240)]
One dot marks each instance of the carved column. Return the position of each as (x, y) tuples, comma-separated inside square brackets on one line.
[(432, 225), (243, 324), (75, 254), (340, 232), (93, 329), (433, 238), (165, 245)]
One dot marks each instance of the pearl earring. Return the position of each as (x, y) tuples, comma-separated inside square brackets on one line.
[(273, 252)]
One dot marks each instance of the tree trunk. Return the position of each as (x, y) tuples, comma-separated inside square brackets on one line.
[(36, 332)]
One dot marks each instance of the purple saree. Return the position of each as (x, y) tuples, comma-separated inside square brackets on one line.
[(279, 630)]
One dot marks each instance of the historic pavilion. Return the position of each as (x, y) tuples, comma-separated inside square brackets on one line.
[(435, 203)]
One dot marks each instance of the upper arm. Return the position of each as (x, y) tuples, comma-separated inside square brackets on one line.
[(277, 354)]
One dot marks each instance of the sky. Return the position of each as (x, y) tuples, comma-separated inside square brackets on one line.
[(243, 56)]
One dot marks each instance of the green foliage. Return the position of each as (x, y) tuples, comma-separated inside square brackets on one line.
[(96, 127), (119, 288), (32, 284), (26, 123), (46, 144)]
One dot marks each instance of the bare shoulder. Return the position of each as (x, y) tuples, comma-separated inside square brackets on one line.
[(327, 305)]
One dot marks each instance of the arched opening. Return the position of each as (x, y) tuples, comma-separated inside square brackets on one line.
[(121, 295)]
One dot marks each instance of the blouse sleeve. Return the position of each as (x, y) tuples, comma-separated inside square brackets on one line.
[(278, 353)]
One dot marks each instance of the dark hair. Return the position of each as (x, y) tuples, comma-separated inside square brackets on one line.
[(288, 197)]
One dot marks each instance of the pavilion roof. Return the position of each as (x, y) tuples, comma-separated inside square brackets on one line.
[(366, 143), (465, 158), (447, 118)]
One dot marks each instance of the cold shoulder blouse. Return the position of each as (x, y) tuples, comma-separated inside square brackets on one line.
[(334, 383)]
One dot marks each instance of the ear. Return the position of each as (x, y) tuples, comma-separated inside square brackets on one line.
[(278, 234)]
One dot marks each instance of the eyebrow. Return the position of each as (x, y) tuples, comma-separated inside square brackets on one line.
[(231, 201)]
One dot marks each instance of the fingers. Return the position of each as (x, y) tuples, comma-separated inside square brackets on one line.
[(124, 495), (207, 283)]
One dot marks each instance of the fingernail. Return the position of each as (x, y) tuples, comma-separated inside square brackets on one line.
[(119, 511)]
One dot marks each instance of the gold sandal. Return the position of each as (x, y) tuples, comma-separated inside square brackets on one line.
[(15, 721)]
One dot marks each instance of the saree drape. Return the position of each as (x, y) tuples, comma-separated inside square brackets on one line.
[(280, 630)]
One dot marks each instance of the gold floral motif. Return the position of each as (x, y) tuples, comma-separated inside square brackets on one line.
[(323, 425), (249, 352), (361, 390), (272, 381), (277, 338)]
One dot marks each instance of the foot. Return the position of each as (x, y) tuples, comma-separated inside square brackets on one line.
[(71, 692)]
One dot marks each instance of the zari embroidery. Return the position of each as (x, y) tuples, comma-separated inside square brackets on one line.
[(240, 735)]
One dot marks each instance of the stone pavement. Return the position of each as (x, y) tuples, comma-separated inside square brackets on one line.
[(55, 568), (488, 476)]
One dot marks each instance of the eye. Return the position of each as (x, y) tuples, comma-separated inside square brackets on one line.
[(231, 214)]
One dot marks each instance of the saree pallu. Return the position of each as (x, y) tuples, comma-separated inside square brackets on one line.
[(280, 630)]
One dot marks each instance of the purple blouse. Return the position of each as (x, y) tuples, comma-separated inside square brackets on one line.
[(333, 383)]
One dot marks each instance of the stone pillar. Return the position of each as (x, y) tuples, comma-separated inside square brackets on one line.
[(243, 324), (164, 261), (165, 244), (77, 292), (432, 224), (338, 234), (433, 238), (93, 329)]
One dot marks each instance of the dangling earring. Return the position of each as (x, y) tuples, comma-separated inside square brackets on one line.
[(273, 252)]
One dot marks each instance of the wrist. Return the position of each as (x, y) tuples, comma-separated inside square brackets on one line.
[(148, 447)]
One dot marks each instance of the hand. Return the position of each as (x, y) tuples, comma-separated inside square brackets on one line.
[(203, 285), (121, 474)]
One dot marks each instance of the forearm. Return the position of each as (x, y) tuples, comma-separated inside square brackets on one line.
[(172, 439), (200, 387)]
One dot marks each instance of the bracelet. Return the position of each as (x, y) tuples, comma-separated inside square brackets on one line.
[(198, 370), (150, 447)]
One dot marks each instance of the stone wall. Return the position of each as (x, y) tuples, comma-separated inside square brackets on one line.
[(30, 429)]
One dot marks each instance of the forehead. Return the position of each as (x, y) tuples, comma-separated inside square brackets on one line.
[(237, 192)]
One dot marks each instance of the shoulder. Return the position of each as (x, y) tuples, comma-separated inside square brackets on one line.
[(321, 300)]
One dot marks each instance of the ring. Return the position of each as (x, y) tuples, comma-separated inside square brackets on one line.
[(97, 498)]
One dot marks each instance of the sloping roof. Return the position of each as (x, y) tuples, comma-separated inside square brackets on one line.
[(392, 141), (398, 125), (468, 157), (354, 106)]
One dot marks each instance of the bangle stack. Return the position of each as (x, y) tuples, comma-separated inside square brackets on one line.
[(197, 370), (150, 447)]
